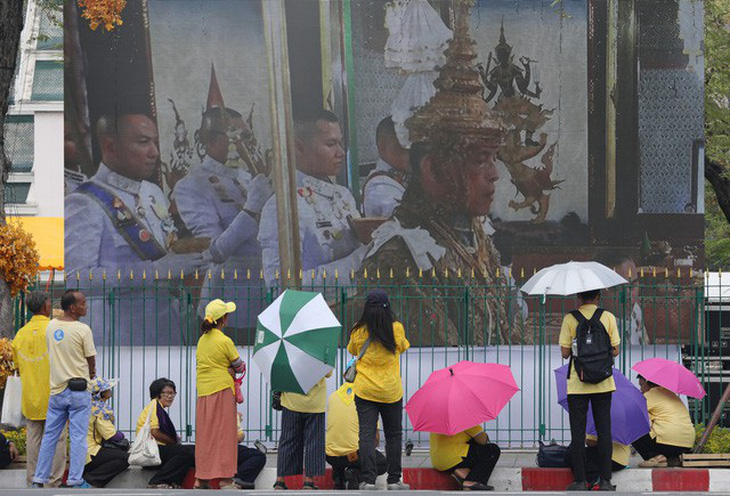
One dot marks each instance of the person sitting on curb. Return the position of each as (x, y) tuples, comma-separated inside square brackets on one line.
[(250, 461), (8, 452), (468, 456), (107, 456), (342, 440), (672, 432)]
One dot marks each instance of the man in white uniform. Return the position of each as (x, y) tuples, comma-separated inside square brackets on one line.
[(328, 243), (118, 224), (386, 183)]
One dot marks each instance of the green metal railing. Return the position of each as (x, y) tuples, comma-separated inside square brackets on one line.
[(148, 327)]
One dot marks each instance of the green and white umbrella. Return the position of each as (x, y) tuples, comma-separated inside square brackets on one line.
[(296, 341)]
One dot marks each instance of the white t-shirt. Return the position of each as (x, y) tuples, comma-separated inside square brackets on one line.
[(69, 345)]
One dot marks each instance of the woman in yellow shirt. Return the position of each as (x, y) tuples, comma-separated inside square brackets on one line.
[(216, 423), (672, 432), (107, 453), (468, 456), (177, 458), (378, 386)]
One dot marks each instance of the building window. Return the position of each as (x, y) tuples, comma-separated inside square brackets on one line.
[(50, 31), (19, 131), (16, 193), (48, 81)]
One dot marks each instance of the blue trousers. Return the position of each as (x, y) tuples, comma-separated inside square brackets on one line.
[(74, 407)]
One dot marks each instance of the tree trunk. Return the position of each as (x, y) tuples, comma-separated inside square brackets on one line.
[(11, 24), (717, 175)]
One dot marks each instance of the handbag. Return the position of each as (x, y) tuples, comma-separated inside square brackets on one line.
[(144, 451), (553, 455), (122, 444), (237, 382), (12, 412), (351, 371)]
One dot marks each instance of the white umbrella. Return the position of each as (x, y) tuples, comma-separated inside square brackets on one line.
[(571, 278)]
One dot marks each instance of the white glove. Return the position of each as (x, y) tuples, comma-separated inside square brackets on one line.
[(259, 190), (176, 262)]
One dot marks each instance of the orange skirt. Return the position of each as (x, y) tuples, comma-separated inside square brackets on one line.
[(216, 436)]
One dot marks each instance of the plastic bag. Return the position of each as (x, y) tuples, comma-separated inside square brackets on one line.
[(12, 413)]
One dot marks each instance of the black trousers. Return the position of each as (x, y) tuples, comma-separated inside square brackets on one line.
[(340, 463), (177, 460), (481, 460), (250, 463), (593, 462), (578, 411), (105, 465), (649, 448), (392, 416)]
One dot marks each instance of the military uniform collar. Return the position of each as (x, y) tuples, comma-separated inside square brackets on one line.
[(322, 187), (218, 168), (118, 181)]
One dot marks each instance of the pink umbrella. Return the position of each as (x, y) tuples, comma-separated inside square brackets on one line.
[(459, 397), (671, 375)]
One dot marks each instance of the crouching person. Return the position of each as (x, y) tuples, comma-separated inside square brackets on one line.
[(468, 456), (250, 461), (107, 455), (342, 440), (672, 432)]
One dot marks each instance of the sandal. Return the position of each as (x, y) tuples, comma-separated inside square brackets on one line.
[(159, 486), (204, 485), (232, 485), (309, 486), (477, 487), (458, 479), (280, 485)]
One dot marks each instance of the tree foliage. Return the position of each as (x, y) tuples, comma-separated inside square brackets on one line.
[(107, 13), (717, 133)]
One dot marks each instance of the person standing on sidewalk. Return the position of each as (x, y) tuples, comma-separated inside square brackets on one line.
[(590, 330), (72, 358), (216, 451), (30, 355), (378, 387)]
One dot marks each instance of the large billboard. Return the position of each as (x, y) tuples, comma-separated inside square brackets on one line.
[(225, 148)]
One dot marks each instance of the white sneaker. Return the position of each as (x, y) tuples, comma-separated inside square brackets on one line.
[(398, 486), (364, 486)]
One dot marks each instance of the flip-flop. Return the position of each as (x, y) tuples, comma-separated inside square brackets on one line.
[(477, 487)]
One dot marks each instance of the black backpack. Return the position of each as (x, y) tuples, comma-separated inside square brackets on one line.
[(594, 360)]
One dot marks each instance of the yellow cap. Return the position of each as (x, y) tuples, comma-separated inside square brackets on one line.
[(217, 309)]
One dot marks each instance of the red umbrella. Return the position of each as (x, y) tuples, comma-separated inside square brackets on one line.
[(459, 397), (670, 375)]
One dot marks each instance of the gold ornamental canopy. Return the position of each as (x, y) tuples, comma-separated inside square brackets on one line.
[(457, 115)]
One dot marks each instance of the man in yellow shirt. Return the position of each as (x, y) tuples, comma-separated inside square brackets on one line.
[(30, 355), (582, 392), (672, 432), (342, 439)]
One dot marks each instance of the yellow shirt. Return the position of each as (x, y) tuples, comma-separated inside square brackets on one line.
[(449, 451), (100, 430), (214, 355), (621, 452), (154, 421), (567, 335), (315, 401), (69, 345), (378, 371), (30, 355), (343, 426), (670, 420)]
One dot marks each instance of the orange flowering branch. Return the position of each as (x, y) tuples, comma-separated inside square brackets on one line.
[(105, 12), (18, 258)]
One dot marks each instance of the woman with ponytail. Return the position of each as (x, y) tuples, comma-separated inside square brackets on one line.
[(378, 339), (216, 424)]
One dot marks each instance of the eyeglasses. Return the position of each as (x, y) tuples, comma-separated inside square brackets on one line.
[(169, 395)]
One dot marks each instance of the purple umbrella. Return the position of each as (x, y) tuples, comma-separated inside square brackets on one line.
[(629, 416)]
